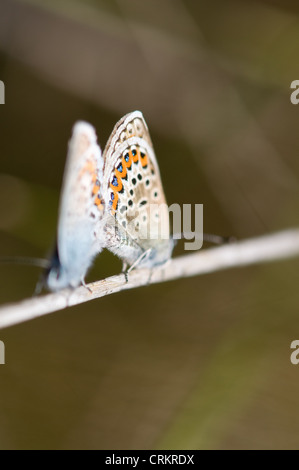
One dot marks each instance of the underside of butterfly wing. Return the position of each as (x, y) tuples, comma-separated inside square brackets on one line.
[(134, 195), (81, 209)]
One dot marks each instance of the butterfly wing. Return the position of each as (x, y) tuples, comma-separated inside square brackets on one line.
[(81, 209), (133, 193)]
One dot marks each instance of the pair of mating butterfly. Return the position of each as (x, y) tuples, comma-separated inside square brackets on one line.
[(115, 201)]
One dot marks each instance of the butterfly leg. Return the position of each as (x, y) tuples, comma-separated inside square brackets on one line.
[(38, 288), (83, 283), (124, 271), (142, 257), (150, 277)]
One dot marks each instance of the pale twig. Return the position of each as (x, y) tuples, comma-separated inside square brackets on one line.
[(256, 250)]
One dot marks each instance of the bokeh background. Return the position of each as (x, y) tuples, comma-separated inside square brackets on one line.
[(200, 363)]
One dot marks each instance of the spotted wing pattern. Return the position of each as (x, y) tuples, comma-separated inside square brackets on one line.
[(133, 193)]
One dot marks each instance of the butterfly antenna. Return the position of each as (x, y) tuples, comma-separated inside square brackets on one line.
[(218, 239), (38, 262), (206, 237)]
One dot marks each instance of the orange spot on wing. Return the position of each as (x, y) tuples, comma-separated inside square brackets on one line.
[(95, 189), (119, 187), (137, 156), (114, 204), (90, 168), (128, 163), (144, 161), (122, 174), (99, 203)]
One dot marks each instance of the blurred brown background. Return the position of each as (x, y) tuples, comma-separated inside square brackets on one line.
[(197, 363)]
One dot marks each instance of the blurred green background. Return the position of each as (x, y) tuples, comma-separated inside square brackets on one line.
[(200, 363)]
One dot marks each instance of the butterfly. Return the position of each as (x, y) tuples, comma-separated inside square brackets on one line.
[(115, 201), (133, 194), (80, 211)]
